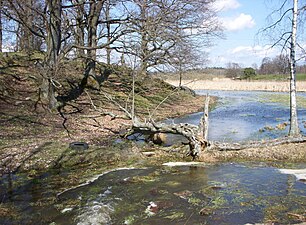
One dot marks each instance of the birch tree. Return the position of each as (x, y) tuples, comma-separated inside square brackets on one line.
[(285, 35), (1, 37), (294, 126)]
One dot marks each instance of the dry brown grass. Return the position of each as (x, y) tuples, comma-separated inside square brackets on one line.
[(293, 152), (206, 74), (228, 84)]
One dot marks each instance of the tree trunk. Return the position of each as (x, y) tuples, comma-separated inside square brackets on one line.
[(28, 42), (108, 49), (144, 38), (93, 19), (204, 120), (53, 49), (48, 91), (294, 127), (1, 37), (54, 30), (191, 132), (80, 35), (25, 38), (180, 74)]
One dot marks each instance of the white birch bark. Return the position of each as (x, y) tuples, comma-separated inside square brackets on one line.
[(294, 127)]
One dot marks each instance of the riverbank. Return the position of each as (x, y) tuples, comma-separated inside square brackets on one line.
[(34, 141), (239, 85), (34, 144), (283, 153)]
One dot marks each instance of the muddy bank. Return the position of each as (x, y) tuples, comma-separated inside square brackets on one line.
[(229, 84)]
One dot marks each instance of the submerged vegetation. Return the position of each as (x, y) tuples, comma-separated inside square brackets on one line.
[(200, 195), (283, 99)]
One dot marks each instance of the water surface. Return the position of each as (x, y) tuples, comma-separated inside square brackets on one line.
[(203, 194), (243, 116)]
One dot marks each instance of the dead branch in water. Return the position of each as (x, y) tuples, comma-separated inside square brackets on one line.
[(196, 135)]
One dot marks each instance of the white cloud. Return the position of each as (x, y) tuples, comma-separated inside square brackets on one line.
[(255, 51), (241, 49), (8, 48), (225, 5), (238, 23), (244, 55)]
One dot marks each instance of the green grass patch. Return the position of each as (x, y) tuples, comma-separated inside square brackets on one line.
[(278, 77), (283, 99)]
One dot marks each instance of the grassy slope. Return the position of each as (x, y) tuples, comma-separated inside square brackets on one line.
[(34, 138)]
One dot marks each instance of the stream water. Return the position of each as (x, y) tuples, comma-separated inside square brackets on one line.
[(243, 116), (201, 194), (207, 194), (225, 193)]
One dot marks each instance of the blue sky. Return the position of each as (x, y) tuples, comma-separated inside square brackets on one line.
[(242, 19)]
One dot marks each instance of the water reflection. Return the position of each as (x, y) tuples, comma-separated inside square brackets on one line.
[(198, 194), (211, 194), (243, 116)]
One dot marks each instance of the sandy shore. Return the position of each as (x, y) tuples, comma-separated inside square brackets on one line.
[(228, 84)]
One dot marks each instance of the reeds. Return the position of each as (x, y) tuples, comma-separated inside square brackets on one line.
[(228, 84)]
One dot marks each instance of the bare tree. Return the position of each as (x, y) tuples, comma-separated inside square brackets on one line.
[(265, 67), (28, 20), (294, 126), (94, 29), (79, 31), (149, 30), (287, 39), (282, 64), (1, 33), (108, 27), (276, 65), (185, 56), (233, 70), (157, 26)]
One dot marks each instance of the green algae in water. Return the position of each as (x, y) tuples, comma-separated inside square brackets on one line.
[(129, 220), (215, 194), (194, 201), (283, 99), (175, 216)]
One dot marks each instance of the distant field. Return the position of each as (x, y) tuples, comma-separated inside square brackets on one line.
[(215, 79), (228, 84), (279, 77), (207, 74), (212, 74)]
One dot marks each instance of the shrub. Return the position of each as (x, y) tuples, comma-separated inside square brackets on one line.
[(248, 73)]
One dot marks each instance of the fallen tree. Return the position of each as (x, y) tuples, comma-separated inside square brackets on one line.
[(196, 135)]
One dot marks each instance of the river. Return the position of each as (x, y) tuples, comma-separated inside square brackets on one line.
[(244, 115), (223, 193)]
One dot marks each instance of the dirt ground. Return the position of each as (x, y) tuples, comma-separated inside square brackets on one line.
[(37, 140)]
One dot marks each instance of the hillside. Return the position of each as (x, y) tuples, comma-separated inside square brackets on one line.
[(30, 132)]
